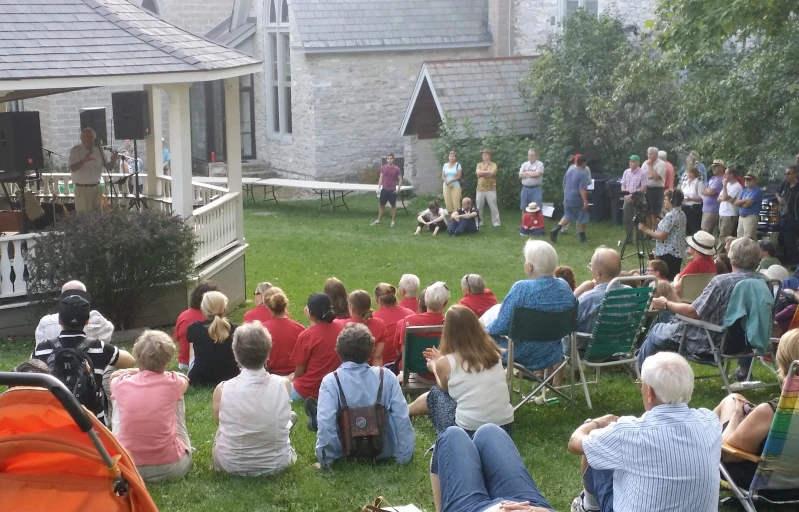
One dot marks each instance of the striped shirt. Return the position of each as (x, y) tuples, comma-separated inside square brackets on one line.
[(666, 460)]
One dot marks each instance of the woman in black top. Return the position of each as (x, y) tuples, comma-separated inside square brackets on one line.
[(212, 343)]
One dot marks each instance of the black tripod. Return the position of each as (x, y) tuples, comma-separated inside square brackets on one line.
[(136, 201), (643, 244)]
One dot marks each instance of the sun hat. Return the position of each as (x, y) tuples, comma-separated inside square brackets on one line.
[(718, 161), (635, 158), (703, 242), (751, 174), (776, 272), (532, 208)]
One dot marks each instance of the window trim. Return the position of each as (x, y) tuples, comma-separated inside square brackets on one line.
[(276, 31), (580, 4), (250, 90)]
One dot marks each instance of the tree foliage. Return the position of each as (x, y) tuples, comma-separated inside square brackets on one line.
[(125, 258)]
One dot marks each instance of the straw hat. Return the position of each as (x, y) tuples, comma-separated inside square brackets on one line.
[(532, 208), (776, 272), (703, 242)]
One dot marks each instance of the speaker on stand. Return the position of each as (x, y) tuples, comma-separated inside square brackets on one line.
[(131, 111), (20, 153)]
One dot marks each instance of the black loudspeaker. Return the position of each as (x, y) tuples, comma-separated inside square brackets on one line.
[(94, 118), (20, 142), (131, 115)]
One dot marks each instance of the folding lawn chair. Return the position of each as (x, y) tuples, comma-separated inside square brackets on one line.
[(55, 455), (621, 319), (417, 339), (534, 326), (692, 285), (778, 465), (734, 343)]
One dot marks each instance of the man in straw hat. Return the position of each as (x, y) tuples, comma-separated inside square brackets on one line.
[(749, 207), (701, 247), (532, 221), (710, 197)]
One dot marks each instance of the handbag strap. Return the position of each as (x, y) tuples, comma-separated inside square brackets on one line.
[(340, 390), (380, 389)]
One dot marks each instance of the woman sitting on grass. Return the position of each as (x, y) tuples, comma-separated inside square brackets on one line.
[(260, 312), (434, 219), (746, 426), (149, 414), (471, 388), (359, 383), (211, 343), (284, 332), (360, 309), (253, 411), (334, 289), (390, 313), (188, 317)]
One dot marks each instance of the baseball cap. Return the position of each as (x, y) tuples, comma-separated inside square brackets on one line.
[(635, 158), (74, 307)]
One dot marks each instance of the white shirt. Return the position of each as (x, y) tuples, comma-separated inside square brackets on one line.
[(428, 215), (726, 208), (536, 166), (98, 329), (660, 168), (665, 461), (254, 417), (691, 188), (92, 171), (482, 397)]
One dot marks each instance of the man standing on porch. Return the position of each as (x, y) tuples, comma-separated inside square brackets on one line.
[(387, 188), (86, 164)]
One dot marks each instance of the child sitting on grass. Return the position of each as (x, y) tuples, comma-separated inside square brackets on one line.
[(532, 221)]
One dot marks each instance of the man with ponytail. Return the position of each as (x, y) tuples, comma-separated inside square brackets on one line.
[(212, 343)]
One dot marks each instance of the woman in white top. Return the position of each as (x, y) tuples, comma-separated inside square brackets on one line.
[(253, 411), (691, 187), (451, 175)]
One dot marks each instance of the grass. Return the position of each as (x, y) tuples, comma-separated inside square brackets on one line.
[(296, 248)]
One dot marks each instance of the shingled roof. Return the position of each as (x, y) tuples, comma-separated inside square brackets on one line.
[(476, 89), (370, 25), (98, 38)]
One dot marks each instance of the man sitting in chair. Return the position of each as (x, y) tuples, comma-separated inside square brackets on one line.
[(665, 460), (710, 307)]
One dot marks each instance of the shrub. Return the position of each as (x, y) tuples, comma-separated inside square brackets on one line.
[(125, 259)]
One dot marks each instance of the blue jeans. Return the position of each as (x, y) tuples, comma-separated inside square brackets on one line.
[(657, 339), (478, 473), (465, 226), (531, 195), (599, 483)]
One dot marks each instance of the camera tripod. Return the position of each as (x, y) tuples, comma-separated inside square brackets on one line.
[(643, 244)]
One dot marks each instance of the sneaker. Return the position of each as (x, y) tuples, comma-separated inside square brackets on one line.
[(582, 238), (393, 223), (577, 505), (553, 234), (739, 375), (310, 410), (375, 223), (292, 419)]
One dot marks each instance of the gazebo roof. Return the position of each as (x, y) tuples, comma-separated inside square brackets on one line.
[(73, 44)]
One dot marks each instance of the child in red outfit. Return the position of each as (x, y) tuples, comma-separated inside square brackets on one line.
[(532, 221)]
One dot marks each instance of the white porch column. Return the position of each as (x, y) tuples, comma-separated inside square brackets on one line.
[(180, 142), (154, 164), (233, 139)]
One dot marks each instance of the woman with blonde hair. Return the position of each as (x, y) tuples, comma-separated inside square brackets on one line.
[(360, 311), (334, 289), (390, 312), (260, 312), (212, 343), (745, 426), (284, 331), (149, 414), (471, 390)]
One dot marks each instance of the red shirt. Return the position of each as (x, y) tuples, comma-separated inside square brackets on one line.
[(185, 319), (419, 319), (316, 349), (701, 265), (285, 332), (390, 316), (532, 220), (411, 303), (259, 312), (375, 325), (479, 302)]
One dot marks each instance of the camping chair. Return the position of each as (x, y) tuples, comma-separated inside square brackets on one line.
[(54, 455), (534, 326), (621, 320), (417, 339), (734, 343), (778, 465), (692, 285)]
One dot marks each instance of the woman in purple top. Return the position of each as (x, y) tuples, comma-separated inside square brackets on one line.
[(387, 188)]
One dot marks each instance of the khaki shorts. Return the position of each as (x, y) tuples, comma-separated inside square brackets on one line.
[(747, 226), (710, 221), (88, 199), (727, 226)]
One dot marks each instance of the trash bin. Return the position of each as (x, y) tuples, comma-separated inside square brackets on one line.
[(598, 198), (615, 200)]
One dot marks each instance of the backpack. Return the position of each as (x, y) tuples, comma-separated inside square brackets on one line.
[(361, 429), (75, 369)]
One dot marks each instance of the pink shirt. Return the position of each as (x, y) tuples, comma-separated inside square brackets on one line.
[(145, 411)]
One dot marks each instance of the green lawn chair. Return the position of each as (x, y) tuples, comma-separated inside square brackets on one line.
[(619, 323), (534, 326), (778, 465), (417, 339)]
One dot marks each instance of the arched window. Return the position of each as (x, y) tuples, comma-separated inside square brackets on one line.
[(278, 69)]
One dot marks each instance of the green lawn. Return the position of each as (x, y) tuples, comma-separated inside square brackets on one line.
[(297, 248)]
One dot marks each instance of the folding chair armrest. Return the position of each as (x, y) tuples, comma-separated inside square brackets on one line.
[(751, 457), (584, 335), (700, 323)]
